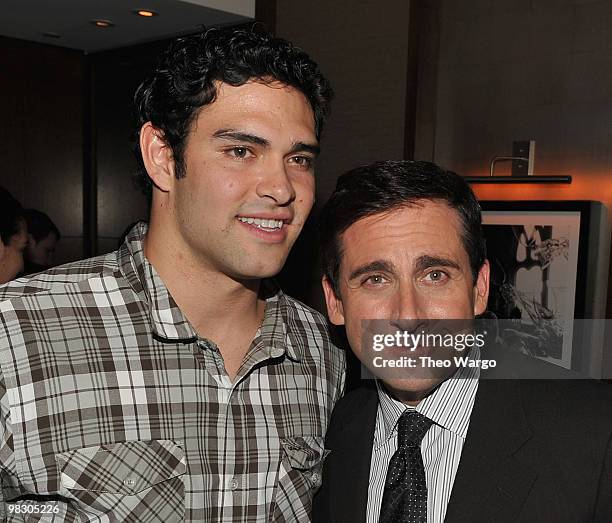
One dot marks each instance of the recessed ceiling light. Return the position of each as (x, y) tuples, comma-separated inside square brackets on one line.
[(102, 23), (145, 12)]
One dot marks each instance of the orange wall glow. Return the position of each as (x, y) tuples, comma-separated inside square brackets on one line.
[(584, 186)]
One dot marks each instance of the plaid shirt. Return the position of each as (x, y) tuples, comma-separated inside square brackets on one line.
[(113, 409)]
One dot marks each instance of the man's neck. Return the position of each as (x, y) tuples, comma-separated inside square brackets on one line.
[(214, 303)]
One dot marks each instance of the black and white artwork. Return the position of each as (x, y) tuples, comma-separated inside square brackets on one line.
[(534, 259)]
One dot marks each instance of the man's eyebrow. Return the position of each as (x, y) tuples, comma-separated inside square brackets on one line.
[(299, 147), (426, 262), (238, 136), (377, 265)]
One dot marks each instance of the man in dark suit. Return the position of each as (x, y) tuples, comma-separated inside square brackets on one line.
[(403, 240)]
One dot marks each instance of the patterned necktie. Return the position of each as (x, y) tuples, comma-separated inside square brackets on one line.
[(405, 495)]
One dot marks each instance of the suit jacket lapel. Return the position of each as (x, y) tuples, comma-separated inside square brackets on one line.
[(352, 459), (494, 477)]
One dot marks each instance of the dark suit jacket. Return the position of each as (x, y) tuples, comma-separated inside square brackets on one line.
[(535, 451)]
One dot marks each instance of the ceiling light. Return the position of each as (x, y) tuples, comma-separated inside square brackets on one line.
[(145, 12), (102, 23)]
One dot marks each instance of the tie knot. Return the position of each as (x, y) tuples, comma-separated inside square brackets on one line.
[(411, 428)]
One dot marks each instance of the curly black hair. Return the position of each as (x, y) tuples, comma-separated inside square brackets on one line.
[(185, 79), (388, 185)]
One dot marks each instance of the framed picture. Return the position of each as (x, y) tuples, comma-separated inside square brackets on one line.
[(547, 259)]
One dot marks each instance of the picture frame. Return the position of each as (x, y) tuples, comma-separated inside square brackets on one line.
[(549, 268)]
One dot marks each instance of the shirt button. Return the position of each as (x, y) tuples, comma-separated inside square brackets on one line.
[(233, 484), (276, 352)]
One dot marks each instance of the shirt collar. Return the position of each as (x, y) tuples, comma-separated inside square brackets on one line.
[(169, 323), (449, 406)]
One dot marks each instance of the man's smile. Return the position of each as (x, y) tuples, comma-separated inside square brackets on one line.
[(262, 223), (271, 230)]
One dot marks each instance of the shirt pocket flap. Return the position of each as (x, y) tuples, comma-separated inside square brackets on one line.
[(122, 468), (305, 452)]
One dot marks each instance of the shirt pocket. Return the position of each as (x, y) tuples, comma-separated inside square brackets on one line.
[(300, 477), (128, 481)]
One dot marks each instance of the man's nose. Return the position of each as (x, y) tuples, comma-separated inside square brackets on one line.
[(406, 303), (407, 312), (274, 183)]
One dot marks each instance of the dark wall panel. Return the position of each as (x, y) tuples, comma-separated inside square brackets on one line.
[(116, 76), (41, 103), (362, 47)]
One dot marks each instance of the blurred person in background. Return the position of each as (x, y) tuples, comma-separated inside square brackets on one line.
[(43, 236), (13, 236)]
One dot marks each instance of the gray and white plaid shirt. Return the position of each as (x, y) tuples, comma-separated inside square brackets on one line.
[(113, 409)]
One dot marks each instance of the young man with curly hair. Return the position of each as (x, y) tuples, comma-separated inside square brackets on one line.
[(172, 380)]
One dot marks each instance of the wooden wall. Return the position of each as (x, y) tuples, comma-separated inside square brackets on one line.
[(41, 139)]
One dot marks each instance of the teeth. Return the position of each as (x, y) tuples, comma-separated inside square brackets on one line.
[(263, 223)]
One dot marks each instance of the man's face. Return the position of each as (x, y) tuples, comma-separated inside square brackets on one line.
[(409, 263), (42, 252), (249, 183), (12, 254)]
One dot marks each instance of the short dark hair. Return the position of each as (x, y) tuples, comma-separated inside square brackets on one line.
[(40, 225), (11, 215), (385, 186), (185, 79)]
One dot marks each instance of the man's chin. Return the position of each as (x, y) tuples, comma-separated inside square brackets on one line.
[(411, 390), (257, 271)]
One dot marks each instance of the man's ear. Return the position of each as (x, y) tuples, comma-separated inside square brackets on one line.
[(157, 157), (335, 310), (481, 289), (31, 241)]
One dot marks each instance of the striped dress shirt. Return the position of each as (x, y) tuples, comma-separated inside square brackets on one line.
[(113, 409), (450, 408)]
